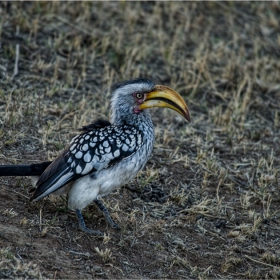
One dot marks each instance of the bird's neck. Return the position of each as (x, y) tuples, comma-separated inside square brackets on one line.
[(143, 123), (141, 120)]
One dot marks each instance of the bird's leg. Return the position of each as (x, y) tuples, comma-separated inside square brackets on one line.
[(83, 226), (103, 209)]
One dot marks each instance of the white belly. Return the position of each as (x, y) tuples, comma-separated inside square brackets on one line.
[(89, 187)]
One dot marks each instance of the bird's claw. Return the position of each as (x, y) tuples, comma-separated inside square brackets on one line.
[(114, 225), (91, 231), (83, 226)]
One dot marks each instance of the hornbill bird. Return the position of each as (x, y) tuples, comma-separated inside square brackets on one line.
[(106, 155)]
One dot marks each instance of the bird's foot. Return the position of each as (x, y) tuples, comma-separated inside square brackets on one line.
[(108, 218), (83, 226), (113, 224), (91, 231)]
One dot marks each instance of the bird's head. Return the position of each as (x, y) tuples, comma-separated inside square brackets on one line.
[(134, 96)]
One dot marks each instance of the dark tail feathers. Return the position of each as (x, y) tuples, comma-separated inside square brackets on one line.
[(35, 169)]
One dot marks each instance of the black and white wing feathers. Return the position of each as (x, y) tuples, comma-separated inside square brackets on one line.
[(89, 152)]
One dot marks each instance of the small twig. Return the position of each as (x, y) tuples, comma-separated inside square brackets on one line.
[(270, 265), (218, 190), (40, 220), (79, 253), (19, 256), (16, 61), (17, 57)]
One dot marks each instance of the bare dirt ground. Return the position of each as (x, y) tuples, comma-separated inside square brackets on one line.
[(207, 204)]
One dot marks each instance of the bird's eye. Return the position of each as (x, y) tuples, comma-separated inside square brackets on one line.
[(139, 95)]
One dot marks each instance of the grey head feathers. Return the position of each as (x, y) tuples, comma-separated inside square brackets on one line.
[(122, 101)]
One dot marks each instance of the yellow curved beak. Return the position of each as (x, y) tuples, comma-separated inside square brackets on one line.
[(164, 96)]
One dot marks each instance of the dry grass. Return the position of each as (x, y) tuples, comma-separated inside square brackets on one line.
[(207, 204)]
